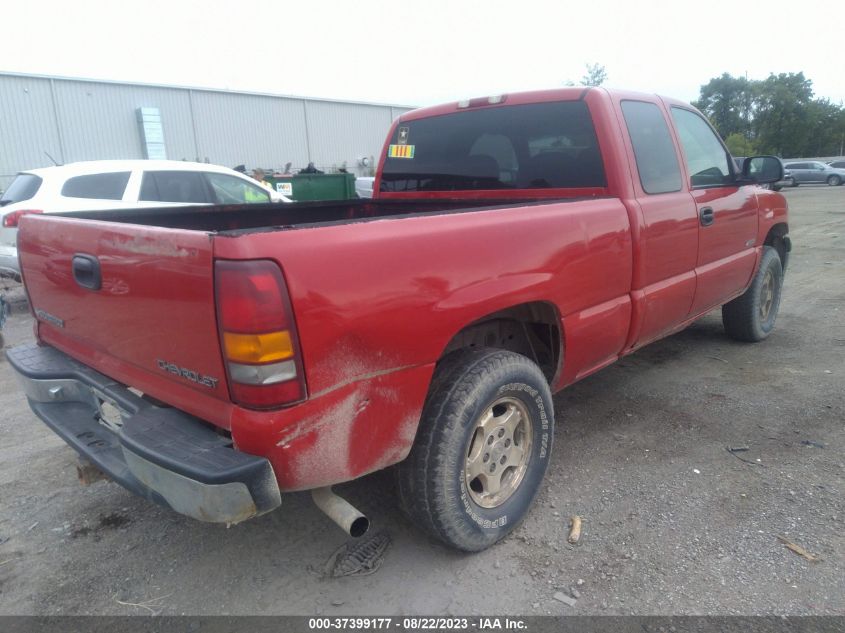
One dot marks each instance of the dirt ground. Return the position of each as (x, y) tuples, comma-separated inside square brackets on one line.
[(674, 523)]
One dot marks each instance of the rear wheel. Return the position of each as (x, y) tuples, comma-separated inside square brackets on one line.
[(834, 181), (482, 448), (794, 183), (751, 316)]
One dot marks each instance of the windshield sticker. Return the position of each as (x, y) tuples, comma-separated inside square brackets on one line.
[(403, 136), (400, 151)]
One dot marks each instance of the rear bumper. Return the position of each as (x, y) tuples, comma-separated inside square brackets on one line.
[(159, 453)]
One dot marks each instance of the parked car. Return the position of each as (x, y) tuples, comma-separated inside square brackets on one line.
[(118, 184), (837, 164), (364, 186), (513, 246), (786, 181), (815, 172)]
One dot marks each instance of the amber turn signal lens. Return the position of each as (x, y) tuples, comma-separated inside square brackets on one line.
[(258, 348)]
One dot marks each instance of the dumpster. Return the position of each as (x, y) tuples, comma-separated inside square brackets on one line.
[(302, 187)]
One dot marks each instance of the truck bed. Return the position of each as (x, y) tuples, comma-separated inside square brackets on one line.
[(238, 219)]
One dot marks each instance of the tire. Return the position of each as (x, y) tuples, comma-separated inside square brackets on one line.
[(795, 183), (777, 187), (834, 181), (751, 316), (486, 409)]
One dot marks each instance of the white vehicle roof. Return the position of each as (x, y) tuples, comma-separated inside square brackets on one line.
[(104, 166)]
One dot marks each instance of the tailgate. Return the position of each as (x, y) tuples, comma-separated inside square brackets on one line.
[(134, 302)]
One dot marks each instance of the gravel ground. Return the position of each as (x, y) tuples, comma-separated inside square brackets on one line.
[(673, 522)]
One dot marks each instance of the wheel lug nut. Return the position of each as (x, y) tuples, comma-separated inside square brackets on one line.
[(507, 442), (501, 432), (490, 439), (486, 457), (493, 467), (503, 460)]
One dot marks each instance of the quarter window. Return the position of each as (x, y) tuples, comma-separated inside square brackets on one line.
[(707, 159), (654, 151), (97, 186)]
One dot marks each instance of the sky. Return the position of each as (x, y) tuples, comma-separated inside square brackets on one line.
[(421, 52)]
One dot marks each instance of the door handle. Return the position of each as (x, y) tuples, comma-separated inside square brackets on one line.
[(86, 271), (706, 216)]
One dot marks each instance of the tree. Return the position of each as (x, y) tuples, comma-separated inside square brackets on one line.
[(728, 101), (596, 75), (739, 145), (777, 115), (782, 119)]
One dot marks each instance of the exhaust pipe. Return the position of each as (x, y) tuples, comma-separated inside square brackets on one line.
[(341, 512)]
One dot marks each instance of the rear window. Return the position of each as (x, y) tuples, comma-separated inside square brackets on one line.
[(23, 187), (532, 146), (97, 186), (174, 186)]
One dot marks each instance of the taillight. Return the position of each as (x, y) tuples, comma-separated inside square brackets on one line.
[(258, 334), (10, 220)]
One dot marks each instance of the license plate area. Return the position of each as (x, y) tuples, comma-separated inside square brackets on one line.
[(109, 414)]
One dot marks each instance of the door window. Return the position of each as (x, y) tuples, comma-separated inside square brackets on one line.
[(108, 186), (654, 151), (174, 186), (233, 190), (707, 160)]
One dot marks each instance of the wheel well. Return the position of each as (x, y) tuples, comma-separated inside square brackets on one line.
[(530, 329), (775, 239)]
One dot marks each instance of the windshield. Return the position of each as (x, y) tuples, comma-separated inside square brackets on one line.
[(531, 146), (23, 187)]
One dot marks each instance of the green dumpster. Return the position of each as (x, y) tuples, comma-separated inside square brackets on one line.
[(302, 187)]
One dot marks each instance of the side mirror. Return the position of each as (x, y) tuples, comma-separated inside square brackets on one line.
[(762, 169)]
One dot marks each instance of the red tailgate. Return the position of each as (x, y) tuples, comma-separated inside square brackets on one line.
[(149, 322)]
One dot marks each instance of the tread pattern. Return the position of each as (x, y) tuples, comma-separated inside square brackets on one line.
[(460, 378), (741, 316)]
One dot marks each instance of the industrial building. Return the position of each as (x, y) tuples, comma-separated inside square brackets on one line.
[(45, 119)]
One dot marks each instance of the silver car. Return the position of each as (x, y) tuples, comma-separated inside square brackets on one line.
[(814, 171)]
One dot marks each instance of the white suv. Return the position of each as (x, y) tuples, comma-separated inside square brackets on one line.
[(115, 184)]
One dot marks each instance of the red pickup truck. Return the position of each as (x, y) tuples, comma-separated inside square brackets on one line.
[(211, 359)]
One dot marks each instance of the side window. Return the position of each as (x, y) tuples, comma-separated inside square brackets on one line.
[(23, 187), (707, 160), (98, 186), (653, 148), (232, 190), (173, 186)]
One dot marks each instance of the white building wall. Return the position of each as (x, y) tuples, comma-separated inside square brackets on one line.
[(74, 119)]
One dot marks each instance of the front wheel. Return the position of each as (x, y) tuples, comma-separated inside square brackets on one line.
[(482, 448), (751, 316), (834, 181)]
